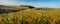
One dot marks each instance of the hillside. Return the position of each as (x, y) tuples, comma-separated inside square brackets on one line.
[(31, 16)]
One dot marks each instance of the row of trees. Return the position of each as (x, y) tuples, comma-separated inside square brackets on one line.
[(27, 6), (2, 6)]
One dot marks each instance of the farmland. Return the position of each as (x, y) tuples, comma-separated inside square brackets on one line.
[(31, 16)]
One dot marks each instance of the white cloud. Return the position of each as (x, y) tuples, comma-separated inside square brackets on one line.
[(7, 2), (2, 2), (41, 4)]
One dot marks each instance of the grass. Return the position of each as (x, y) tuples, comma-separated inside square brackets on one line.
[(31, 16)]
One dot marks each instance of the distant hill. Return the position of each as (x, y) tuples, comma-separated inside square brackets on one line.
[(4, 8)]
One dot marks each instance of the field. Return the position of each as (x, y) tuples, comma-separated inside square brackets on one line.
[(31, 16)]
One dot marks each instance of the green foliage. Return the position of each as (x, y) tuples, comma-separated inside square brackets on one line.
[(27, 6), (1, 5)]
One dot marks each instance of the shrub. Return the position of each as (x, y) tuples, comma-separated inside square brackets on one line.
[(27, 6)]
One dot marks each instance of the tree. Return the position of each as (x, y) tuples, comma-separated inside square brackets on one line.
[(27, 6), (1, 5), (31, 7)]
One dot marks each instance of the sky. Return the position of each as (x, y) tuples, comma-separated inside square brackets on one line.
[(36, 3)]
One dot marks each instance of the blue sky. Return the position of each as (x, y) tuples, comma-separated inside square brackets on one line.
[(36, 3)]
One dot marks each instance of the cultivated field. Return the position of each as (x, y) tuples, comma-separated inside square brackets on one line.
[(31, 16)]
